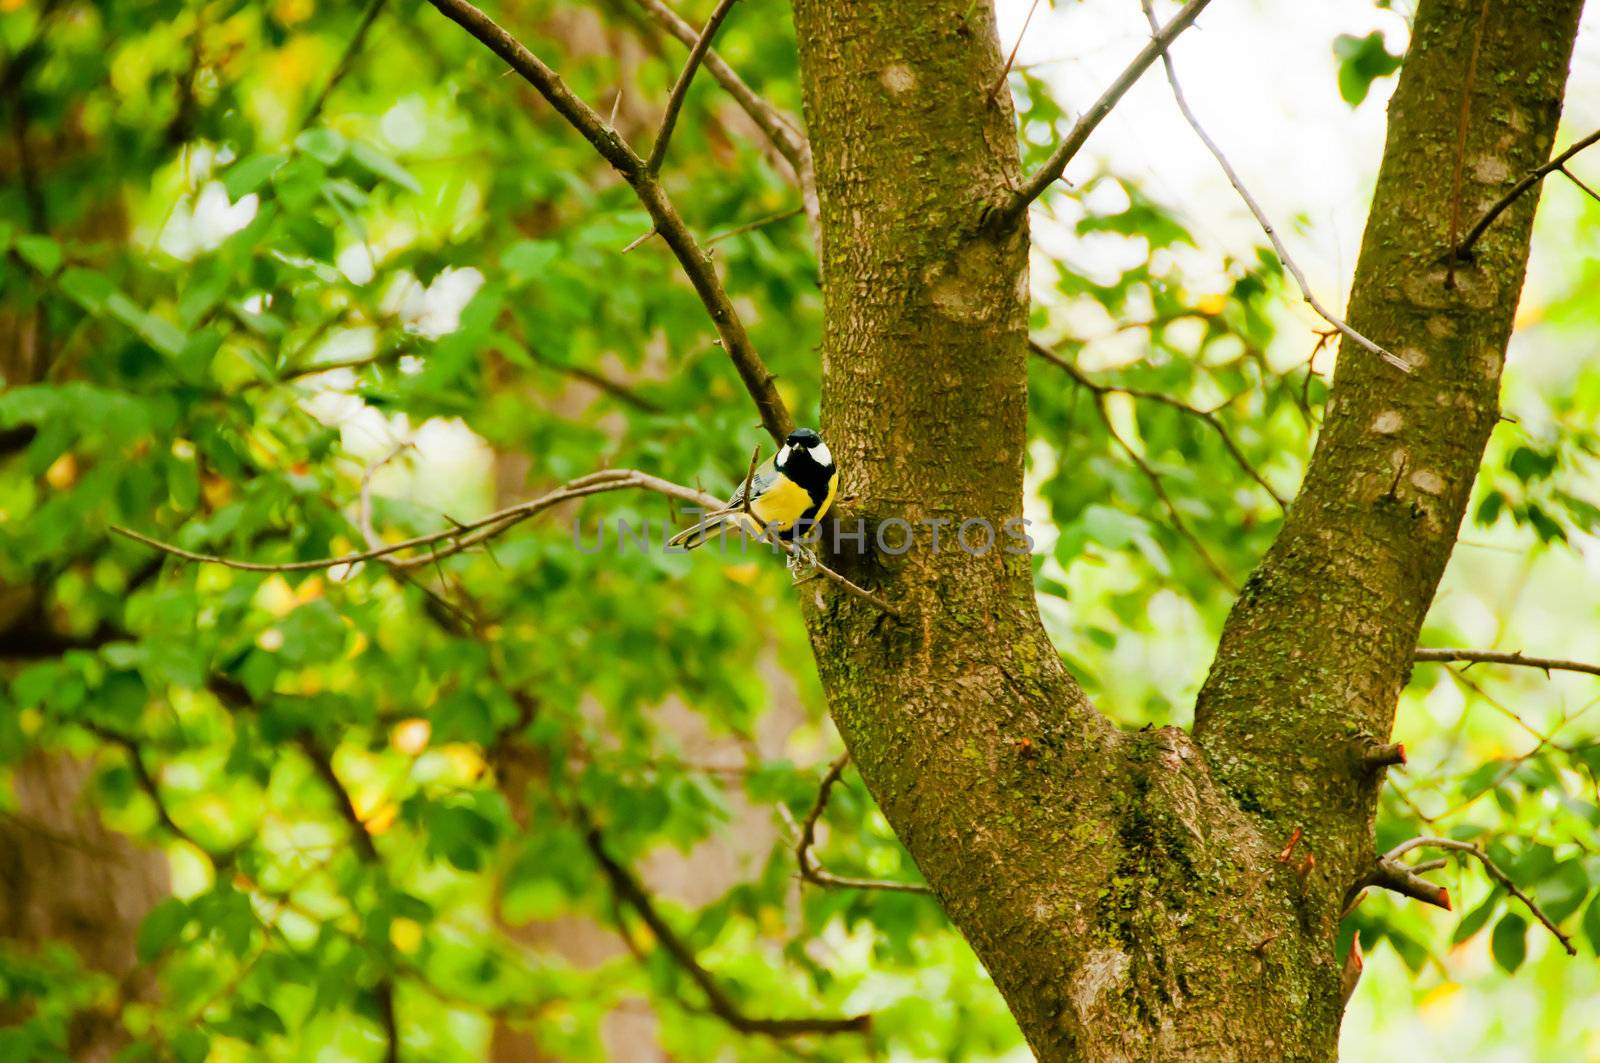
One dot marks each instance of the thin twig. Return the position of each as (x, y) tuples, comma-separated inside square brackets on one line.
[(1056, 164), (1494, 871), (1260, 215), (364, 503), (630, 892), (1012, 58), (1463, 123), (696, 264), (1179, 525), (779, 128), (759, 223), (1464, 249), (346, 61), (1209, 417), (810, 870), (680, 90), (1545, 664), (322, 765), (465, 535), (1574, 179)]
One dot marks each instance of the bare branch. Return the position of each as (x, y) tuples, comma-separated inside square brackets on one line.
[(1179, 525), (696, 264), (1545, 664), (1494, 871), (680, 90), (464, 536), (1464, 249), (813, 872), (1056, 164), (1260, 215), (1592, 194), (630, 892), (739, 230), (781, 130), (1209, 417), (1375, 754), (1397, 878), (1005, 71)]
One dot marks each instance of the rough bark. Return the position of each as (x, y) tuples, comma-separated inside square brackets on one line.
[(1320, 643), (1124, 890)]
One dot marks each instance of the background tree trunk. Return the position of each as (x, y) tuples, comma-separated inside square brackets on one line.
[(1123, 889)]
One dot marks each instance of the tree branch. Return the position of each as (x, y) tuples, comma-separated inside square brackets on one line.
[(813, 872), (628, 890), (781, 130), (322, 764), (1545, 664), (1179, 525), (1056, 164), (464, 535), (1494, 871), (1260, 215), (1464, 249), (680, 90), (147, 783), (1209, 417), (696, 264)]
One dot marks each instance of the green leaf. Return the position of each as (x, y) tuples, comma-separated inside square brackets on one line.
[(529, 259), (191, 1046), (1362, 60), (161, 928), (1509, 942), (1591, 924), (378, 164), (1528, 464), (40, 252), (322, 144), (1476, 919), (87, 288), (249, 174)]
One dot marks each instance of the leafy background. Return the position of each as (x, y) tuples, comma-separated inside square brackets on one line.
[(259, 261)]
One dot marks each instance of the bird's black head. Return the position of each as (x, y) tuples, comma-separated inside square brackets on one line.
[(804, 446)]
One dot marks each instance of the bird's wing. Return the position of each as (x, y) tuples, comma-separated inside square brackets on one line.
[(766, 475)]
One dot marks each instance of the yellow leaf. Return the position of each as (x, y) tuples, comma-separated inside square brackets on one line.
[(405, 934), (411, 736), (63, 472), (744, 573), (381, 819)]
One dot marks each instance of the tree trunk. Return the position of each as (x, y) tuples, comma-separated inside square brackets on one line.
[(65, 878), (1123, 889)]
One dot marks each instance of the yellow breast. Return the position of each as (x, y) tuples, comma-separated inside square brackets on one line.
[(783, 503)]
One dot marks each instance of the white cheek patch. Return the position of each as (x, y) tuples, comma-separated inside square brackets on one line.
[(783, 457), (822, 454)]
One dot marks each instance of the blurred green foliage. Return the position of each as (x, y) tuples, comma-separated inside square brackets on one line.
[(237, 282)]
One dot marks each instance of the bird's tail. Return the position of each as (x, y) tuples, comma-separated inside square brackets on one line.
[(709, 528)]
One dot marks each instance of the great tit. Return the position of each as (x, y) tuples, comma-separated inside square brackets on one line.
[(791, 489)]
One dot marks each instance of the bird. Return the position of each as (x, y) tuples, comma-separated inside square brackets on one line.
[(790, 491)]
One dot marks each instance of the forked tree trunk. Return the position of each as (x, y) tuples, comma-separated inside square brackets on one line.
[(1122, 889)]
